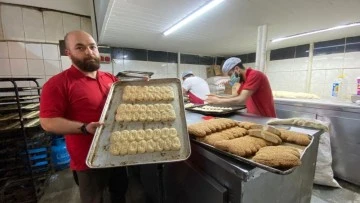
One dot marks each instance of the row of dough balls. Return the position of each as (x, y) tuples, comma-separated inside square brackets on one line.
[(129, 108), (140, 94), (148, 116), (144, 146), (138, 135), (151, 89), (141, 141)]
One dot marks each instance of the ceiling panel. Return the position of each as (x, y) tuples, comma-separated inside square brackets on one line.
[(228, 29)]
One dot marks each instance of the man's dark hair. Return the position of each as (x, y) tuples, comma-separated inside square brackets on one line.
[(188, 75), (241, 65)]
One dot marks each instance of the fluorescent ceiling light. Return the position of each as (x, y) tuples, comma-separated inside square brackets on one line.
[(193, 16), (315, 32)]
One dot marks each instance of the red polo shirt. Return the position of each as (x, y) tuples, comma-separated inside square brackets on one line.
[(261, 102), (74, 96)]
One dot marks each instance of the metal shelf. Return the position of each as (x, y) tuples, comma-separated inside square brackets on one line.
[(23, 172)]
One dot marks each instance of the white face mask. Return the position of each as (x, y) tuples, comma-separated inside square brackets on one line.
[(234, 78)]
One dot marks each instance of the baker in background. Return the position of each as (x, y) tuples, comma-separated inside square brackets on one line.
[(195, 87), (254, 91)]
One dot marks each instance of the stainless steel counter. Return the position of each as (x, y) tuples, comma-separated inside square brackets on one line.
[(210, 177), (321, 104), (345, 128)]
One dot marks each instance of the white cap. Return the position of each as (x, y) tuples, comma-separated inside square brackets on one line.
[(230, 63), (186, 73)]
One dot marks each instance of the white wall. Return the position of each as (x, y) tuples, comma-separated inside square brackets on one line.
[(160, 69), (30, 41), (291, 74), (81, 7)]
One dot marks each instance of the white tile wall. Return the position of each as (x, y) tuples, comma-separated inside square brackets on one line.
[(136, 65), (19, 67), (107, 68), (5, 67), (251, 65), (351, 75), (12, 22), (85, 24), (36, 67), (331, 75), (330, 61), (118, 66), (33, 25), (50, 51), (352, 60), (70, 22), (4, 51), (324, 70), (34, 51), (52, 67), (317, 89), (53, 24), (300, 64), (318, 76), (172, 68), (16, 50), (159, 69), (65, 62)]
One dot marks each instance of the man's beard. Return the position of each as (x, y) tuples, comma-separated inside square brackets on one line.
[(241, 80), (87, 64)]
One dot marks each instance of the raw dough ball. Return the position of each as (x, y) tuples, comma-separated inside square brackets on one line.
[(156, 116), (165, 133), (156, 134), (133, 147), (159, 145), (135, 116), (114, 149), (127, 117), (140, 135), (150, 146), (132, 135), (124, 136), (167, 144), (119, 117), (172, 132), (176, 145), (142, 117), (115, 137), (124, 146), (142, 146), (148, 134)]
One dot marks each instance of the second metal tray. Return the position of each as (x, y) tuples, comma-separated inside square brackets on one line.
[(210, 113), (253, 163)]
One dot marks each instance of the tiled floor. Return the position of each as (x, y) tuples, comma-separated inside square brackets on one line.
[(63, 189)]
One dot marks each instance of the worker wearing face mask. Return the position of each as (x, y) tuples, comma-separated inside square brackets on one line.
[(254, 91)]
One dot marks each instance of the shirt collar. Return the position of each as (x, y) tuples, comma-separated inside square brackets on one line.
[(78, 74)]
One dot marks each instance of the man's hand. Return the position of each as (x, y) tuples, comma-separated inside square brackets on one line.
[(213, 99), (91, 127), (146, 78)]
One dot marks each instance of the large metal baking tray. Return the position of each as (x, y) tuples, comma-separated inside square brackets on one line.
[(99, 157), (253, 163), (209, 113)]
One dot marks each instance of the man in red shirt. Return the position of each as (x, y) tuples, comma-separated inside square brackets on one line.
[(255, 90), (71, 104)]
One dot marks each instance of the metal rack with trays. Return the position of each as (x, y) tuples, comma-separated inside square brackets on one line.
[(25, 159)]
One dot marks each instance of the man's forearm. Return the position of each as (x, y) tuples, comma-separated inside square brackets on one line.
[(60, 125), (237, 100)]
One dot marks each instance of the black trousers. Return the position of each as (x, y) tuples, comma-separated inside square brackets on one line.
[(93, 182)]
